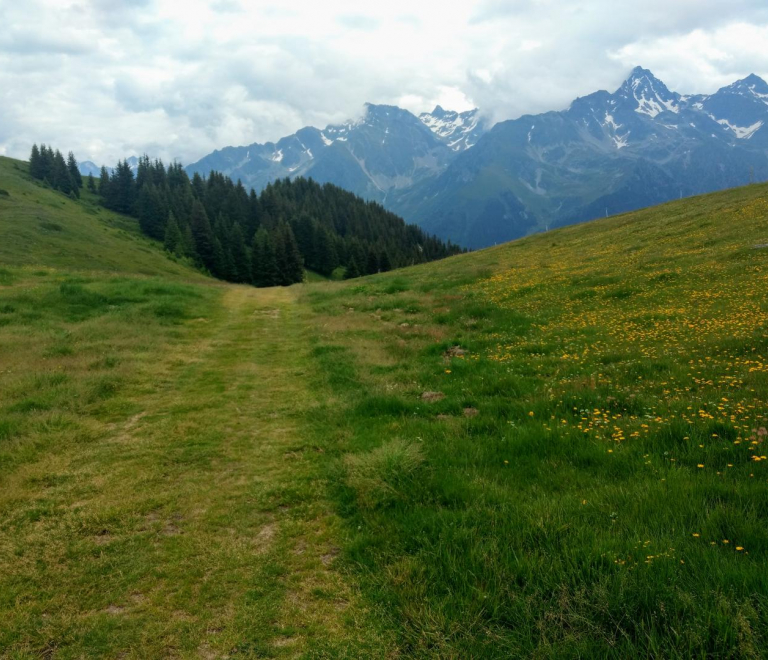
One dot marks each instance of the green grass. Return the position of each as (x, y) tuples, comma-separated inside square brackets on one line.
[(312, 276), (590, 484), (545, 449), (158, 495), (42, 227)]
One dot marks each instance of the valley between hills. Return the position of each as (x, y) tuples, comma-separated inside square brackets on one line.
[(551, 448)]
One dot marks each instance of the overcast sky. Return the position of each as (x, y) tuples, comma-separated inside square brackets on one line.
[(109, 79)]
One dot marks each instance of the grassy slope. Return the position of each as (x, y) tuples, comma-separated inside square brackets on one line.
[(157, 494), (591, 484), (201, 470), (41, 227)]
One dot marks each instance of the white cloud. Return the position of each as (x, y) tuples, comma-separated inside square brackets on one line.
[(110, 79)]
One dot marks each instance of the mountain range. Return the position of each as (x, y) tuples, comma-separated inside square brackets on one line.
[(87, 167), (606, 154), (386, 151), (461, 178)]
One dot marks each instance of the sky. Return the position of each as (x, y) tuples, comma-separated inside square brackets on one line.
[(176, 80)]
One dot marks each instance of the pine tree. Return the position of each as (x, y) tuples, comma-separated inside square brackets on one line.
[(61, 177), (289, 262), (74, 171), (203, 236), (46, 164), (372, 262), (152, 212), (91, 183), (239, 253), (264, 263), (326, 259), (173, 238), (104, 182), (352, 271), (385, 264), (36, 164)]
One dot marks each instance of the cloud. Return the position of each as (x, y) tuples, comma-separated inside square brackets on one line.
[(358, 22), (112, 79)]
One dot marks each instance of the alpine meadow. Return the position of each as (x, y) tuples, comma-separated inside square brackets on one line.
[(383, 331), (552, 448)]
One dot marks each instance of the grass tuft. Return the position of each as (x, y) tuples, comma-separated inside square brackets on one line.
[(378, 476)]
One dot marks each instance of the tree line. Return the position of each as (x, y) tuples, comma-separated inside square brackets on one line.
[(50, 166), (264, 239)]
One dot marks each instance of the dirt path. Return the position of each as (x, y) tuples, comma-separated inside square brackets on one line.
[(197, 526)]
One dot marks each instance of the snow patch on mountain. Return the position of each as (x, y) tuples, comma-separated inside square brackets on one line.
[(610, 121), (654, 105), (460, 131), (621, 141), (741, 132), (650, 94)]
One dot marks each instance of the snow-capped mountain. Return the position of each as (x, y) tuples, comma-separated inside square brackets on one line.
[(740, 108), (384, 151), (477, 185), (607, 153), (459, 130)]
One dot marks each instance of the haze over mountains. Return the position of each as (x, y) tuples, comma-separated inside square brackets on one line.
[(463, 180)]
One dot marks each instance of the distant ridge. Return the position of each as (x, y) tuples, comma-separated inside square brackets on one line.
[(607, 153), (475, 184)]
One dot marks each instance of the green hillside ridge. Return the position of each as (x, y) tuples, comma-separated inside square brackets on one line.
[(42, 227), (552, 448)]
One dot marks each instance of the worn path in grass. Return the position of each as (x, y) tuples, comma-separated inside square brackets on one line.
[(196, 526)]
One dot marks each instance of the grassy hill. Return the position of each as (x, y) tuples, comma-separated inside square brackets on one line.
[(42, 227), (553, 448), (556, 448)]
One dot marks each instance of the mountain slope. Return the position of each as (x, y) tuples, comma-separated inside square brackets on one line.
[(606, 154), (459, 130), (387, 149), (556, 447), (42, 227)]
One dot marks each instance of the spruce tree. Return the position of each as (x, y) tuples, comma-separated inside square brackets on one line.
[(188, 243), (35, 163), (152, 212), (352, 271), (372, 262), (47, 164), (239, 253), (264, 263), (74, 171), (294, 264), (326, 260), (104, 182), (220, 267), (203, 236), (384, 263), (173, 238), (91, 183), (122, 189), (61, 177)]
